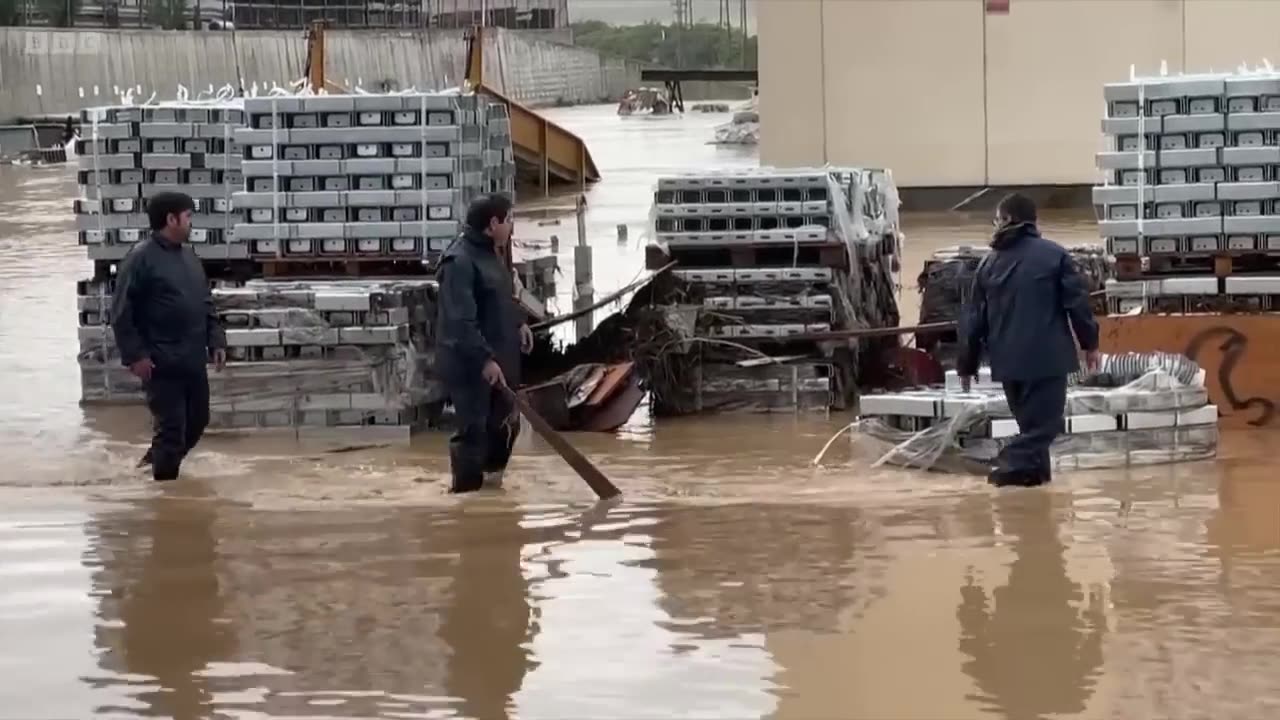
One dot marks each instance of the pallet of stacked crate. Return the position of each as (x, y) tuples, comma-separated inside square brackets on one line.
[(128, 154), (326, 354), (770, 255), (334, 182), (1159, 417), (1191, 191)]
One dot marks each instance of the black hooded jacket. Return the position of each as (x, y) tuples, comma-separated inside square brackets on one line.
[(479, 318), (1024, 303)]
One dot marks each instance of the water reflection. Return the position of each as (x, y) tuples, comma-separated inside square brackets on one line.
[(171, 599), (162, 603), (487, 621), (1035, 646), (608, 647), (746, 568)]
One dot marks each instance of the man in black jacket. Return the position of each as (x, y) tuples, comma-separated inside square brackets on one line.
[(1025, 301), (481, 337), (167, 330)]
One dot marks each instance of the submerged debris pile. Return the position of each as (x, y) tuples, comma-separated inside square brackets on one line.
[(769, 262), (1140, 409), (945, 280), (744, 129)]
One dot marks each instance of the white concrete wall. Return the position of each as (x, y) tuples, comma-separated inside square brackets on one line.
[(947, 95), (42, 71)]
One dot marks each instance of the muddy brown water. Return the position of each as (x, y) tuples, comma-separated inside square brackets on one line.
[(279, 580)]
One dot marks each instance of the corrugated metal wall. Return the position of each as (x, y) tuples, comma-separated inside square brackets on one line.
[(45, 71)]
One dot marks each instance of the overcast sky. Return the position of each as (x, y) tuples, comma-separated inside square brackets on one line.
[(635, 12)]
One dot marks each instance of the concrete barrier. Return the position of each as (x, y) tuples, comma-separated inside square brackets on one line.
[(44, 71)]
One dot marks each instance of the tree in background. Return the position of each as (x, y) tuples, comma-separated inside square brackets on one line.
[(702, 45), (167, 14), (55, 13)]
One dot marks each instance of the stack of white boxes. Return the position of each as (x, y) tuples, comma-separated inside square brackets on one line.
[(326, 354), (1165, 420), (367, 176), (1190, 201), (126, 155)]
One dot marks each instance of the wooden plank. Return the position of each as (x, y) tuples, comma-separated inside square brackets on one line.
[(585, 469)]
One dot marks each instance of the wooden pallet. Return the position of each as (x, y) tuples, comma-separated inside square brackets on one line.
[(1220, 264), (830, 254)]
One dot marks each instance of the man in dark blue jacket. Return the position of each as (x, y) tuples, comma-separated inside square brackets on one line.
[(166, 329), (1025, 301), (481, 337)]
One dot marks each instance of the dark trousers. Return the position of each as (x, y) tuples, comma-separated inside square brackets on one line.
[(179, 404), (485, 436), (1039, 407)]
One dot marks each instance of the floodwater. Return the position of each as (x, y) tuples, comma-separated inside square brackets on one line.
[(736, 581)]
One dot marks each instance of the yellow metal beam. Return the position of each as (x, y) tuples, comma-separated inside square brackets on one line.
[(554, 153), (315, 57)]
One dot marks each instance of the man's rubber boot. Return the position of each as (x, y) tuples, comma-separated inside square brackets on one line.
[(466, 476), (1001, 477), (1043, 476), (146, 459)]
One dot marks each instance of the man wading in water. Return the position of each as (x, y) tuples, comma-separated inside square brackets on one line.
[(480, 342), (167, 330), (1025, 301)]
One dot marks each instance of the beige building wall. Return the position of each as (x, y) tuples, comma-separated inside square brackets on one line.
[(948, 95)]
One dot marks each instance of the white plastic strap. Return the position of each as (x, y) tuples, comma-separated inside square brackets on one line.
[(422, 173), (1142, 155), (97, 179), (104, 307), (226, 168), (1142, 174), (275, 175)]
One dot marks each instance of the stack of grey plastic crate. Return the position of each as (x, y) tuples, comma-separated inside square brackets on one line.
[(1193, 172), (766, 253), (1140, 409), (326, 354), (127, 154), (367, 176)]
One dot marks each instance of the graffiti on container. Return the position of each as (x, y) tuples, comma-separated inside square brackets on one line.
[(1233, 347)]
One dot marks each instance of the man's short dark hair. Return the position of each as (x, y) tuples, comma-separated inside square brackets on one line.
[(164, 204), (1018, 208), (487, 208)]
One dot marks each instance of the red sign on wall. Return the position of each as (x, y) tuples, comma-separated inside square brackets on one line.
[(997, 7)]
